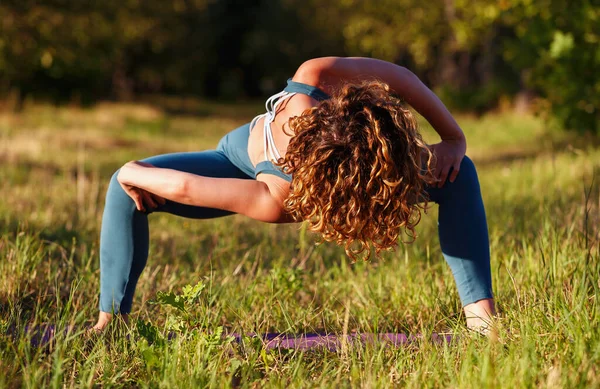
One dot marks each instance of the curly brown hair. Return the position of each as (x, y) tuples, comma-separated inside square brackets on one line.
[(357, 172)]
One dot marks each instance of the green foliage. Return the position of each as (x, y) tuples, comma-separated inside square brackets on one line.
[(181, 302), (185, 317), (393, 29), (558, 43), (86, 50), (149, 332), (451, 45), (57, 41), (476, 99), (474, 52)]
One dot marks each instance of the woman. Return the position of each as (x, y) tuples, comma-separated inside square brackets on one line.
[(353, 165)]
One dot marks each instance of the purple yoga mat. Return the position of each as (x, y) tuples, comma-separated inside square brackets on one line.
[(41, 335), (335, 342)]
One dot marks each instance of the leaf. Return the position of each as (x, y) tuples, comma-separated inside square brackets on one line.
[(192, 293), (151, 359), (149, 332), (234, 365), (215, 338), (171, 299), (175, 323), (561, 44)]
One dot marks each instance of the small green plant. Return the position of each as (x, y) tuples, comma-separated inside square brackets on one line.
[(183, 307), (149, 332), (182, 325)]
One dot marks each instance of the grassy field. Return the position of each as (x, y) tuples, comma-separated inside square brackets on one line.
[(541, 193)]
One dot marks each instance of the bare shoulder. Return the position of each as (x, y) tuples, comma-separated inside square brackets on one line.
[(310, 70), (328, 73), (318, 72)]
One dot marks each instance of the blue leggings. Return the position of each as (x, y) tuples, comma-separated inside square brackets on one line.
[(124, 236)]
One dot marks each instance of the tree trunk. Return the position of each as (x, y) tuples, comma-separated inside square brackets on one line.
[(122, 86)]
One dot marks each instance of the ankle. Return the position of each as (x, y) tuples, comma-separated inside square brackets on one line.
[(480, 315), (103, 319)]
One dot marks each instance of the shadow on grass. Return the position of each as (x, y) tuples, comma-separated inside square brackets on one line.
[(196, 108), (57, 233), (573, 143)]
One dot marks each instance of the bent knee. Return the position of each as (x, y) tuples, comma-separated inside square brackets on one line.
[(465, 185), (467, 168), (467, 175), (114, 181), (116, 193)]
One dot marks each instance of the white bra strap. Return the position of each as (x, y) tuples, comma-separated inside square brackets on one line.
[(270, 141), (271, 106), (283, 96), (268, 108), (275, 101)]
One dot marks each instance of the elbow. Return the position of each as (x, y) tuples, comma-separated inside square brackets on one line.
[(285, 218), (267, 208), (278, 216)]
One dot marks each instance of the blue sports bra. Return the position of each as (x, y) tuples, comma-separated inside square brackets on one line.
[(271, 152)]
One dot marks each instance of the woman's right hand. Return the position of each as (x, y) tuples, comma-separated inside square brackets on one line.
[(144, 200)]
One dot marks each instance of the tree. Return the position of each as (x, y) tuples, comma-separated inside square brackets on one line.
[(557, 43)]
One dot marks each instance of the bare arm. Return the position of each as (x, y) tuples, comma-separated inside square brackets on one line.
[(252, 198), (330, 73)]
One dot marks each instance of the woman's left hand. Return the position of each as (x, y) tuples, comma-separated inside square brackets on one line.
[(449, 153)]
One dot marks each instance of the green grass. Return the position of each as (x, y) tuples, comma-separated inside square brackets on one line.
[(541, 193)]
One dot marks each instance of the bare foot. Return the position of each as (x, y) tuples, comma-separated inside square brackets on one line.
[(480, 315), (104, 318)]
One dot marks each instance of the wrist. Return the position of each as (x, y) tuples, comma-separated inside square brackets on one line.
[(125, 173)]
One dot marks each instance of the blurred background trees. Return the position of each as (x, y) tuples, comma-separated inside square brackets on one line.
[(474, 53)]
